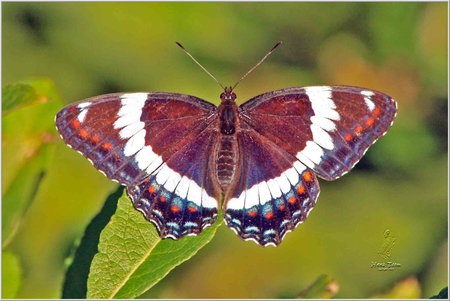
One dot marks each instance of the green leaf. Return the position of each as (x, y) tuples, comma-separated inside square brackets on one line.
[(132, 257), (323, 288), (27, 133), (75, 284), (19, 95), (11, 275)]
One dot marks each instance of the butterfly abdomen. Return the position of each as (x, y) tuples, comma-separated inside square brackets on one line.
[(226, 160)]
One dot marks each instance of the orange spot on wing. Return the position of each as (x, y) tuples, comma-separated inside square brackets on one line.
[(293, 200), (376, 112), (307, 176), (95, 138), (83, 133), (358, 129), (252, 213), (75, 123), (106, 146), (151, 189), (175, 209), (348, 137), (192, 209), (282, 207), (300, 189), (370, 121), (268, 215), (162, 199)]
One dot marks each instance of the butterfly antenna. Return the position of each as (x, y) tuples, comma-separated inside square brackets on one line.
[(184, 49), (259, 63)]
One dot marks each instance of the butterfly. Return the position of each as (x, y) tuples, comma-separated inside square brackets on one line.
[(178, 155)]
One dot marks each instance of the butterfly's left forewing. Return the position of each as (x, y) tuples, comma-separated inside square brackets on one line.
[(147, 142)]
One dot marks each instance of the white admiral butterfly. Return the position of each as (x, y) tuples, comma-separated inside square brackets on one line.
[(178, 154)]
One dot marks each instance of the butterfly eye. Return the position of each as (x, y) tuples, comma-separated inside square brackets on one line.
[(228, 95)]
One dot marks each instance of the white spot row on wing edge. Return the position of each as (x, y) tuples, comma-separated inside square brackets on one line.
[(368, 99), (130, 122), (322, 122), (262, 192), (132, 128), (83, 107), (184, 187)]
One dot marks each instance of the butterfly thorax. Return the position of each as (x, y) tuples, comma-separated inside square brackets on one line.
[(228, 112), (226, 155)]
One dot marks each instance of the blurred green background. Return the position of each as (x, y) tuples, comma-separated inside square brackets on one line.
[(89, 49)]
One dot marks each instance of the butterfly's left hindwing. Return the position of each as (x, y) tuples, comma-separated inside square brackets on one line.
[(146, 141)]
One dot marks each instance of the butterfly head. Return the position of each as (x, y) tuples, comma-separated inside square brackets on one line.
[(228, 95)]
